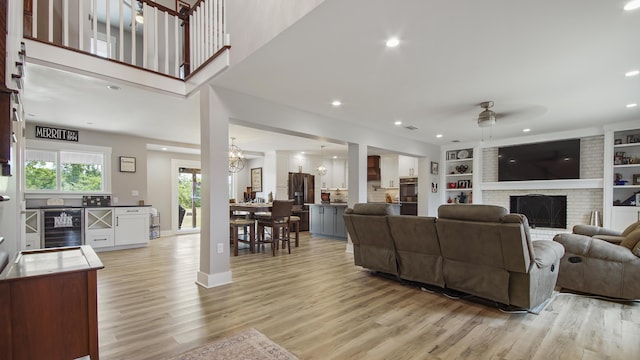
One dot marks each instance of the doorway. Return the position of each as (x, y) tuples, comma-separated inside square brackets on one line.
[(189, 183)]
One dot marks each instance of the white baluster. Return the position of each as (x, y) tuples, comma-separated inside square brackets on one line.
[(134, 26), (50, 21), (94, 38), (65, 22), (166, 43), (176, 48), (34, 24), (81, 25), (108, 25), (121, 35)]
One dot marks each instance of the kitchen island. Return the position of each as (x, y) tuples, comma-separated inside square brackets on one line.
[(327, 221)]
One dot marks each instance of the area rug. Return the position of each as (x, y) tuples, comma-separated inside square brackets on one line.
[(250, 344)]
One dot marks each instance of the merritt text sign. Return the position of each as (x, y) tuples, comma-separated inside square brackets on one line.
[(44, 132)]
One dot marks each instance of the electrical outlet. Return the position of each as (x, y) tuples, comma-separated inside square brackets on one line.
[(135, 193), (220, 248)]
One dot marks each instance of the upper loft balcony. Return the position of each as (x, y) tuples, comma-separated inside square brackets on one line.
[(136, 41)]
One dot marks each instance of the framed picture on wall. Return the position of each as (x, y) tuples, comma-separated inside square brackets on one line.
[(434, 168), (256, 179), (127, 164)]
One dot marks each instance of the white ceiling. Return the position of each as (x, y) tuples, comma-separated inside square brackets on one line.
[(550, 65)]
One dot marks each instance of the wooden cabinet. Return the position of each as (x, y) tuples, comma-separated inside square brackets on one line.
[(99, 229), (48, 305), (131, 226), (327, 220), (373, 168)]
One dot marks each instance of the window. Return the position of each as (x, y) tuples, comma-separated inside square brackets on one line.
[(82, 170)]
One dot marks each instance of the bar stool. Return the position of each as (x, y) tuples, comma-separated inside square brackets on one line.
[(234, 225), (295, 221), (279, 222)]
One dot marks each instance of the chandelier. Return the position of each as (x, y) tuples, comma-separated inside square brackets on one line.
[(322, 169), (237, 161)]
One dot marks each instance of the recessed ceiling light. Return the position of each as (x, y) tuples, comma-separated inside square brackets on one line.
[(526, 130), (393, 42), (113, 87), (164, 149), (30, 114), (335, 156), (397, 122), (632, 105), (336, 103), (89, 123), (632, 73), (632, 5), (439, 136)]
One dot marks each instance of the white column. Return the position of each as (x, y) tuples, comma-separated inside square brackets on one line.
[(215, 267), (357, 179)]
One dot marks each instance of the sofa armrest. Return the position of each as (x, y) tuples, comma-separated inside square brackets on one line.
[(594, 248), (610, 238), (590, 230), (547, 253)]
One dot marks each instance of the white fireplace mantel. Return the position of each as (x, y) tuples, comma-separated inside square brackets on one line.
[(543, 184)]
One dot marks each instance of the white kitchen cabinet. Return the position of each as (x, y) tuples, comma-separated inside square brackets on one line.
[(338, 174), (389, 171), (32, 229), (407, 166), (98, 227), (131, 226)]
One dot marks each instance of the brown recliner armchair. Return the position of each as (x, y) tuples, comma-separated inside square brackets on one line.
[(601, 261), (609, 235)]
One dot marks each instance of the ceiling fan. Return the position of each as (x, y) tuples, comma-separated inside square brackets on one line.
[(487, 117)]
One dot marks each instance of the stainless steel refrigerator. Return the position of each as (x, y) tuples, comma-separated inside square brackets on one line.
[(301, 191)]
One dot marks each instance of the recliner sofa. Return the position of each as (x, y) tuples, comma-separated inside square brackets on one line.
[(477, 249)]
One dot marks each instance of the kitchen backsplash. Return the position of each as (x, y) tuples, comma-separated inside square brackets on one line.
[(377, 194)]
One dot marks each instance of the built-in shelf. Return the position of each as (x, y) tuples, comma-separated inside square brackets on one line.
[(458, 190), (463, 174), (626, 186)]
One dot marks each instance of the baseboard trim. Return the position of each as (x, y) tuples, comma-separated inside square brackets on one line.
[(212, 280)]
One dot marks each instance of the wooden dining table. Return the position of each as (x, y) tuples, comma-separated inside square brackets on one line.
[(252, 208)]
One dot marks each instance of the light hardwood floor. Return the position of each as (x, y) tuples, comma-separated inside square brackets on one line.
[(318, 305)]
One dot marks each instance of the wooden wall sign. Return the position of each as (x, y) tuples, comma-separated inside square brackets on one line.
[(44, 132)]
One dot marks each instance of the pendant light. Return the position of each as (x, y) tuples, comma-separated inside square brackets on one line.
[(237, 161), (322, 169)]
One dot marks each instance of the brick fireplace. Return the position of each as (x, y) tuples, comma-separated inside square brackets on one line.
[(582, 196)]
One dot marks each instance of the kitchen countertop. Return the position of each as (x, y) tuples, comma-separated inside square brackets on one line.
[(331, 204), (81, 206)]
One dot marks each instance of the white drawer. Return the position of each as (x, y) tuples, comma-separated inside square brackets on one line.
[(132, 211), (32, 244), (99, 240)]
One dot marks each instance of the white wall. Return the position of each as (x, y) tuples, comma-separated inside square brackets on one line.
[(252, 23)]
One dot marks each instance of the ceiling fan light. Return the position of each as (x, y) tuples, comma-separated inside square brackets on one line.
[(139, 18), (486, 118)]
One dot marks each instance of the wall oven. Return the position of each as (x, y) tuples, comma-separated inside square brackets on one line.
[(409, 196), (62, 227)]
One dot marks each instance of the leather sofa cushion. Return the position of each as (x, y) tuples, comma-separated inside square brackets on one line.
[(372, 209), (485, 213), (630, 228), (631, 239)]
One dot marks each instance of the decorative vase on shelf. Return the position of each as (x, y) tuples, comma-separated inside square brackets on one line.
[(462, 168)]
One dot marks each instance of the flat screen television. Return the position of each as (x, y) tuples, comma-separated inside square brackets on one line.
[(552, 160)]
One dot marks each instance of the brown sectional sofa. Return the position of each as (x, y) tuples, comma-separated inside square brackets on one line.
[(477, 249)]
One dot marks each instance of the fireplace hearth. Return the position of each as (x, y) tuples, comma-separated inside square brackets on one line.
[(541, 210)]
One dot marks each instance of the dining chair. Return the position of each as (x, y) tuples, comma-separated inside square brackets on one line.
[(235, 224), (280, 223)]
